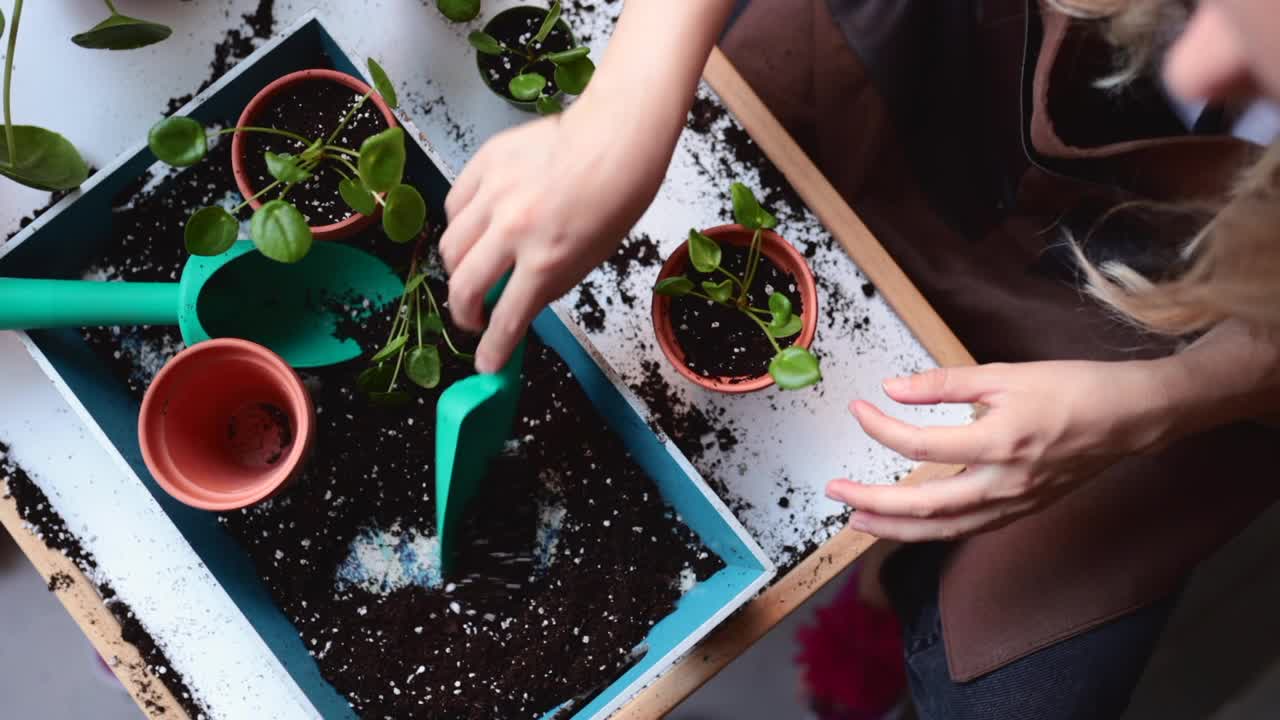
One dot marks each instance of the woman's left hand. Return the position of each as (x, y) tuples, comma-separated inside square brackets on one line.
[(1048, 428)]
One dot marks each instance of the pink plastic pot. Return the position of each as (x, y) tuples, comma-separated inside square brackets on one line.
[(355, 222), (226, 424)]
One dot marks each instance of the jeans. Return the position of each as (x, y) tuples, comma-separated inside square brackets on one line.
[(1087, 677)]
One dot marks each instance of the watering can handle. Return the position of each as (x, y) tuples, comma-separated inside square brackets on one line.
[(29, 304)]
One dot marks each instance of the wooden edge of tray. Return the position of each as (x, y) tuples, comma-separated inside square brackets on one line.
[(81, 599), (741, 631)]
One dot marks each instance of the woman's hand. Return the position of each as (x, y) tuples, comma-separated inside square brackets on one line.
[(1048, 427)]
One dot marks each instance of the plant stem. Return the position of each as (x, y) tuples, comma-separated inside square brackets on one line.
[(8, 82), (112, 7), (268, 131), (255, 196), (347, 118), (338, 158), (765, 328), (753, 262), (444, 331), (417, 312), (339, 149), (731, 276)]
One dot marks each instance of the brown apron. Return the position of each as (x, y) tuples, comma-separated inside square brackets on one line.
[(966, 134)]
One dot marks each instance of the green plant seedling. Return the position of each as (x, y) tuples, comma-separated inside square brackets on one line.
[(121, 32), (792, 367), (370, 177), (573, 67)]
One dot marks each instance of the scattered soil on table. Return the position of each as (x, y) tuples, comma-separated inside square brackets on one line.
[(235, 46), (721, 342), (44, 522), (514, 29), (312, 109)]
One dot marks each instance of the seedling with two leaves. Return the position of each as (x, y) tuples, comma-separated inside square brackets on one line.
[(573, 69), (371, 176), (792, 367)]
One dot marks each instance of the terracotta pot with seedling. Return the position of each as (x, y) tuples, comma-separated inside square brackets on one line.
[(530, 57), (341, 189), (745, 316)]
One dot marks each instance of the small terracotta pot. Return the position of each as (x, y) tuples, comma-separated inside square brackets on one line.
[(780, 253), (355, 222), (226, 424)]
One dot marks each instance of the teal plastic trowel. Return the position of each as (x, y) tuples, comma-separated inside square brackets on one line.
[(293, 309), (473, 421)]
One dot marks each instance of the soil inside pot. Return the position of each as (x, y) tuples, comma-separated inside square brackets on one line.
[(312, 109), (570, 554), (721, 342), (514, 28)]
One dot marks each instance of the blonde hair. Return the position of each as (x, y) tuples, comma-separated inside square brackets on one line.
[(1231, 268)]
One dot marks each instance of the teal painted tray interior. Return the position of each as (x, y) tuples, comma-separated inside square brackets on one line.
[(72, 237)]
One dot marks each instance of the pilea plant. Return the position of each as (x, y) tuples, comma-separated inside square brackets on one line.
[(792, 367), (459, 10), (121, 32), (411, 350), (573, 69), (371, 177)]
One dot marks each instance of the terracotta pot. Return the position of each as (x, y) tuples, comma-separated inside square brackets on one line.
[(503, 92), (355, 222), (226, 424), (781, 254)]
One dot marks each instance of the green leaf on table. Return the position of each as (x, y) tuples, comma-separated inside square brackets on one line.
[(280, 232), (565, 56), (179, 141), (573, 76), (547, 105), (44, 159), (721, 291), (794, 368), (210, 231), (793, 325), (780, 306), (404, 214), (526, 86), (382, 159), (747, 211), (459, 10), (485, 43), (284, 167), (357, 196), (382, 84), (704, 252), (674, 286), (548, 22), (433, 323), (391, 347), (422, 365), (376, 378), (121, 32)]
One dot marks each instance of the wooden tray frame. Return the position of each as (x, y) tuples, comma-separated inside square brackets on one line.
[(740, 632)]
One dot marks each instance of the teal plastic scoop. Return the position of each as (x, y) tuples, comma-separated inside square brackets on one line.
[(473, 422), (293, 309)]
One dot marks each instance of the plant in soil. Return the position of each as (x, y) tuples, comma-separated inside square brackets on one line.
[(368, 178), (536, 65), (792, 367)]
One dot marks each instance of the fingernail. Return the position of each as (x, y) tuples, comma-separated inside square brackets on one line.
[(895, 384)]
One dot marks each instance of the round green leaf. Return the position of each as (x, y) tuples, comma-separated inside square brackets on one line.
[(459, 10), (704, 252), (376, 378), (794, 368), (280, 232), (721, 291), (382, 157), (780, 306), (547, 105), (526, 86), (313, 150), (674, 286), (120, 32), (284, 167), (485, 43), (565, 56), (210, 231), (357, 196), (422, 365), (747, 210), (573, 76), (433, 323), (548, 22), (405, 214), (382, 83), (45, 160), (791, 327), (390, 349), (179, 141)]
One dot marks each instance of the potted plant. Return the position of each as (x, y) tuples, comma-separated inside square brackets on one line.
[(337, 191), (529, 56), (745, 317)]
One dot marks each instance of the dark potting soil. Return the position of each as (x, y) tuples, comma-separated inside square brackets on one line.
[(570, 554), (514, 29), (312, 109), (45, 523), (723, 342)]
